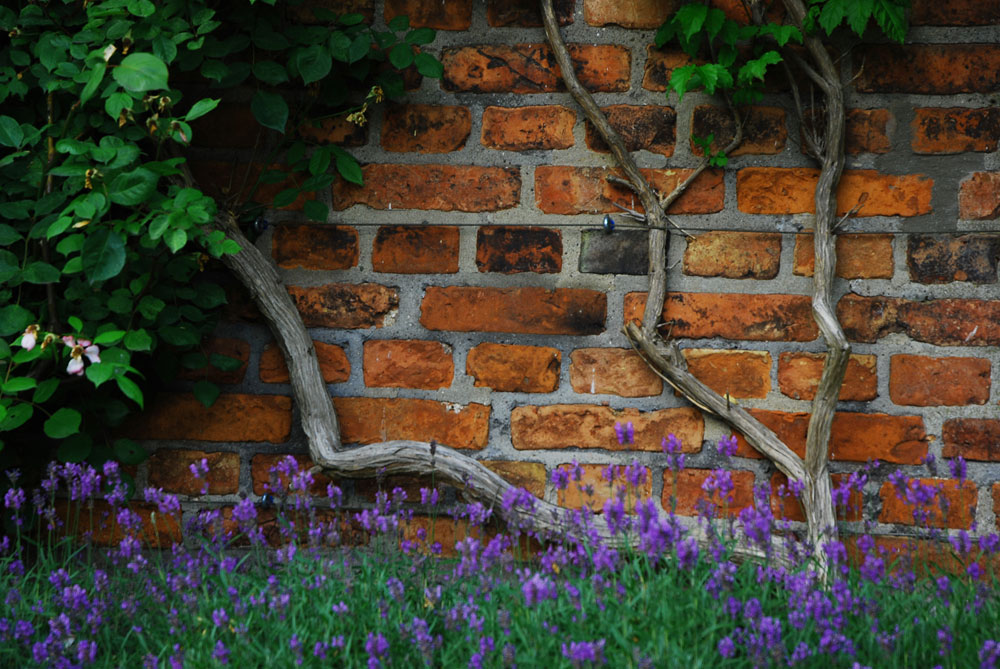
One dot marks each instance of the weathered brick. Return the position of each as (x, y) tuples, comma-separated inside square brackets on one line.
[(337, 130), (624, 252), (527, 475), (737, 10), (955, 129), (799, 374), (689, 492), (227, 346), (592, 490), (949, 322), (526, 310), (738, 373), (528, 128), (630, 13), (732, 316), (531, 68), (344, 305), (960, 501), (979, 197), (441, 187), (858, 256), (425, 128), (236, 181), (789, 508), (103, 529), (512, 249), (955, 13), (945, 258), (971, 438), (935, 69), (513, 368), (333, 363), (916, 380), (526, 13), (593, 426), (791, 190), (403, 363), (368, 489), (329, 247), (233, 417), (169, 469), (764, 129), (367, 420), (641, 127), (734, 255), (612, 371), (660, 65), (411, 249), (437, 14), (586, 190), (865, 130), (260, 474)]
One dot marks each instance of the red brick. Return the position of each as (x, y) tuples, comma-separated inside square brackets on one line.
[(972, 438), (612, 371), (630, 13), (960, 501), (688, 490), (934, 69), (593, 490), (979, 197), (732, 316), (586, 190), (526, 310), (916, 380), (425, 128), (400, 363), (333, 363), (865, 131), (329, 247), (738, 373), (858, 256), (344, 305), (514, 369), (660, 65), (592, 426), (526, 13), (367, 420), (233, 417), (792, 190), (764, 130), (949, 322), (789, 508), (733, 255), (411, 249), (955, 129), (531, 68), (641, 127), (337, 130), (437, 14), (227, 346), (528, 128), (955, 13), (527, 475), (789, 427), (946, 258), (799, 373), (440, 187), (169, 469), (260, 474), (515, 248), (736, 10)]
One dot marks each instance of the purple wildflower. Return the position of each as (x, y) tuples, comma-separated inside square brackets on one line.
[(538, 588), (579, 652), (726, 647), (221, 653), (560, 478), (376, 646), (958, 469)]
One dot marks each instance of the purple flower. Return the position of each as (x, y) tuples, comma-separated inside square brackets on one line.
[(14, 498), (726, 647), (958, 469), (376, 646), (728, 446), (221, 653), (537, 589), (220, 617), (989, 654), (560, 478), (579, 652)]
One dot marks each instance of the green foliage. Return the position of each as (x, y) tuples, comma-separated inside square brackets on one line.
[(889, 15)]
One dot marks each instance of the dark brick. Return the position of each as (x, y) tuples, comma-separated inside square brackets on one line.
[(935, 69), (526, 13), (945, 258), (648, 127), (972, 438), (327, 247), (413, 249), (764, 129), (948, 322), (622, 252), (512, 249), (343, 305), (955, 13), (955, 129)]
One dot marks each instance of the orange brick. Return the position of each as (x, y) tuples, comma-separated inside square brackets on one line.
[(329, 247), (790, 508), (660, 65), (260, 474), (169, 469), (960, 501), (527, 475), (593, 490), (764, 130), (344, 305), (333, 363), (411, 249), (733, 255), (516, 248), (979, 197), (227, 346), (955, 129), (528, 128), (934, 69), (592, 426), (955, 13), (641, 127), (437, 14), (526, 13), (400, 363), (865, 130), (972, 438), (732, 316), (858, 256), (531, 68), (948, 322), (337, 130), (586, 190), (367, 420), (515, 369), (916, 380), (799, 373), (523, 310), (613, 371), (946, 258), (233, 417), (439, 187), (629, 13), (425, 128), (738, 373), (791, 190), (688, 491)]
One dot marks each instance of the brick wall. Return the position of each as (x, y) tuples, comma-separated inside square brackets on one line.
[(497, 329)]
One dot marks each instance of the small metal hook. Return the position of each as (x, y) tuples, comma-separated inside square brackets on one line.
[(609, 224)]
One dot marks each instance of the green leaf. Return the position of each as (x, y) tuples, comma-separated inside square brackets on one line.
[(141, 8), (714, 21), (40, 272), (140, 72), (175, 239), (428, 65), (684, 79), (10, 265), (150, 306), (348, 166), (320, 161), (270, 72), (401, 56), (129, 389), (358, 49), (116, 103), (757, 68), (4, 349), (129, 452), (270, 110), (100, 372), (138, 340), (206, 392), (45, 391), (63, 423), (832, 14), (103, 255), (858, 14), (200, 108), (690, 18), (109, 337), (313, 62), (420, 36), (17, 415), (96, 77), (75, 449), (10, 132), (225, 363), (133, 188), (399, 23), (890, 15), (18, 384), (14, 318), (285, 197), (316, 210)]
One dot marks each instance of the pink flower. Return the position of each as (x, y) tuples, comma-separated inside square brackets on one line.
[(81, 349), (29, 338)]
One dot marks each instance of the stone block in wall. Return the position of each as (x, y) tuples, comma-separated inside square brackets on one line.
[(367, 420), (865, 130), (592, 489), (169, 469), (736, 373), (788, 507), (955, 129), (979, 197), (955, 13), (417, 128), (612, 371), (468, 188), (621, 252), (316, 247), (437, 14), (526, 13), (972, 438), (563, 189), (344, 305), (233, 417), (260, 474), (764, 130), (959, 500)]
